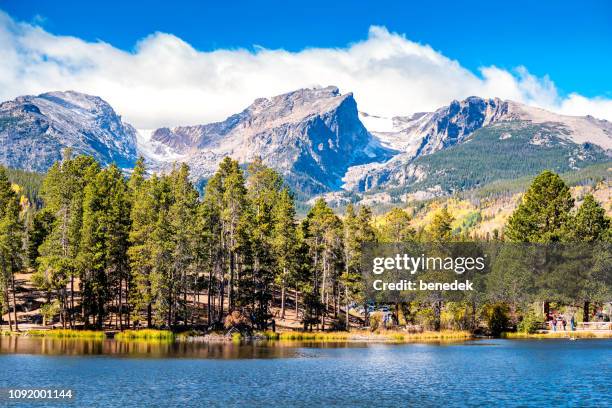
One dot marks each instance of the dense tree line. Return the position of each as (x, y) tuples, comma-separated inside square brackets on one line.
[(149, 251)]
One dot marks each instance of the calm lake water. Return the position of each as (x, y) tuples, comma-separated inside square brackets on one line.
[(477, 373)]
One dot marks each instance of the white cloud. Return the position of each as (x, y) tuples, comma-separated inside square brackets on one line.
[(164, 81)]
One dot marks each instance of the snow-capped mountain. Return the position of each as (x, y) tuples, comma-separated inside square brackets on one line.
[(34, 130), (311, 136), (317, 140), (423, 134)]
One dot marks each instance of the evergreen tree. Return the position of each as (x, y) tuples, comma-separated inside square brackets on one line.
[(396, 226), (104, 244), (440, 228), (284, 243), (181, 214), (264, 187), (225, 204), (11, 250), (543, 212), (62, 192), (357, 232), (38, 228), (143, 217), (164, 285), (137, 178), (590, 223), (324, 239)]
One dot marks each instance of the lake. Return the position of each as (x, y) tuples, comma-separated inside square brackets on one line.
[(531, 373)]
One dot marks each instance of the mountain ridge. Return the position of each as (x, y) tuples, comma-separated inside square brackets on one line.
[(315, 137), (310, 135)]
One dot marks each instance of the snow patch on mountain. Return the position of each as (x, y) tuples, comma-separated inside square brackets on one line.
[(34, 130), (311, 136)]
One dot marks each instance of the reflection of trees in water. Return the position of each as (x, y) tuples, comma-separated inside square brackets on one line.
[(188, 349)]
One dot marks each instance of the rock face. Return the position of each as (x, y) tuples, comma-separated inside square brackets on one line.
[(311, 136), (34, 130), (317, 140), (425, 134)]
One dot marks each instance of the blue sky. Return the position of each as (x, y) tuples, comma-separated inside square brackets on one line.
[(568, 40), (180, 63)]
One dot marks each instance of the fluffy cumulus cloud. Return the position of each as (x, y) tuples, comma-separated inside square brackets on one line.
[(165, 82)]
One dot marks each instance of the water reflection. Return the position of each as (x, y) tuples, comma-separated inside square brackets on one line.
[(152, 349)]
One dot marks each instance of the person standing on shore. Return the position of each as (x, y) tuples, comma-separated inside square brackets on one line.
[(564, 322), (554, 323), (572, 323)]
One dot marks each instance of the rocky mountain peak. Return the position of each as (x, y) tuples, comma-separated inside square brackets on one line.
[(311, 135), (35, 129)]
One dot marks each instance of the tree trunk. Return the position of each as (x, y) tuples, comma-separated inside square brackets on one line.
[(221, 298), (121, 304), (14, 301), (346, 311), (437, 310), (585, 315), (208, 296), (149, 313), (71, 301), (6, 301), (282, 314), (231, 299)]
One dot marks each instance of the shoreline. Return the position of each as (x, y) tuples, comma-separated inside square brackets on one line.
[(360, 336)]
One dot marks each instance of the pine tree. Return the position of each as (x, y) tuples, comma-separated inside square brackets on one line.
[(63, 192), (396, 226), (440, 228), (104, 244), (225, 205), (163, 283), (284, 243), (137, 178), (38, 229), (181, 214), (543, 212), (590, 223), (323, 235), (264, 187), (353, 240), (143, 217), (11, 249)]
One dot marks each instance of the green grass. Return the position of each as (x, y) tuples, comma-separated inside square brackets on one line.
[(361, 335), (145, 334), (67, 333), (558, 335), (431, 335)]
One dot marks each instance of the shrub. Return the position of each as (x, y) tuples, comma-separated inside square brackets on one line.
[(425, 318), (49, 311), (530, 324), (497, 319), (67, 333), (376, 321), (145, 334)]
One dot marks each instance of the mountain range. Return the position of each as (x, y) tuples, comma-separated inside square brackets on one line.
[(319, 141)]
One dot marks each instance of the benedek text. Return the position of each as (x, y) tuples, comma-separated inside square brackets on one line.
[(404, 284)]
